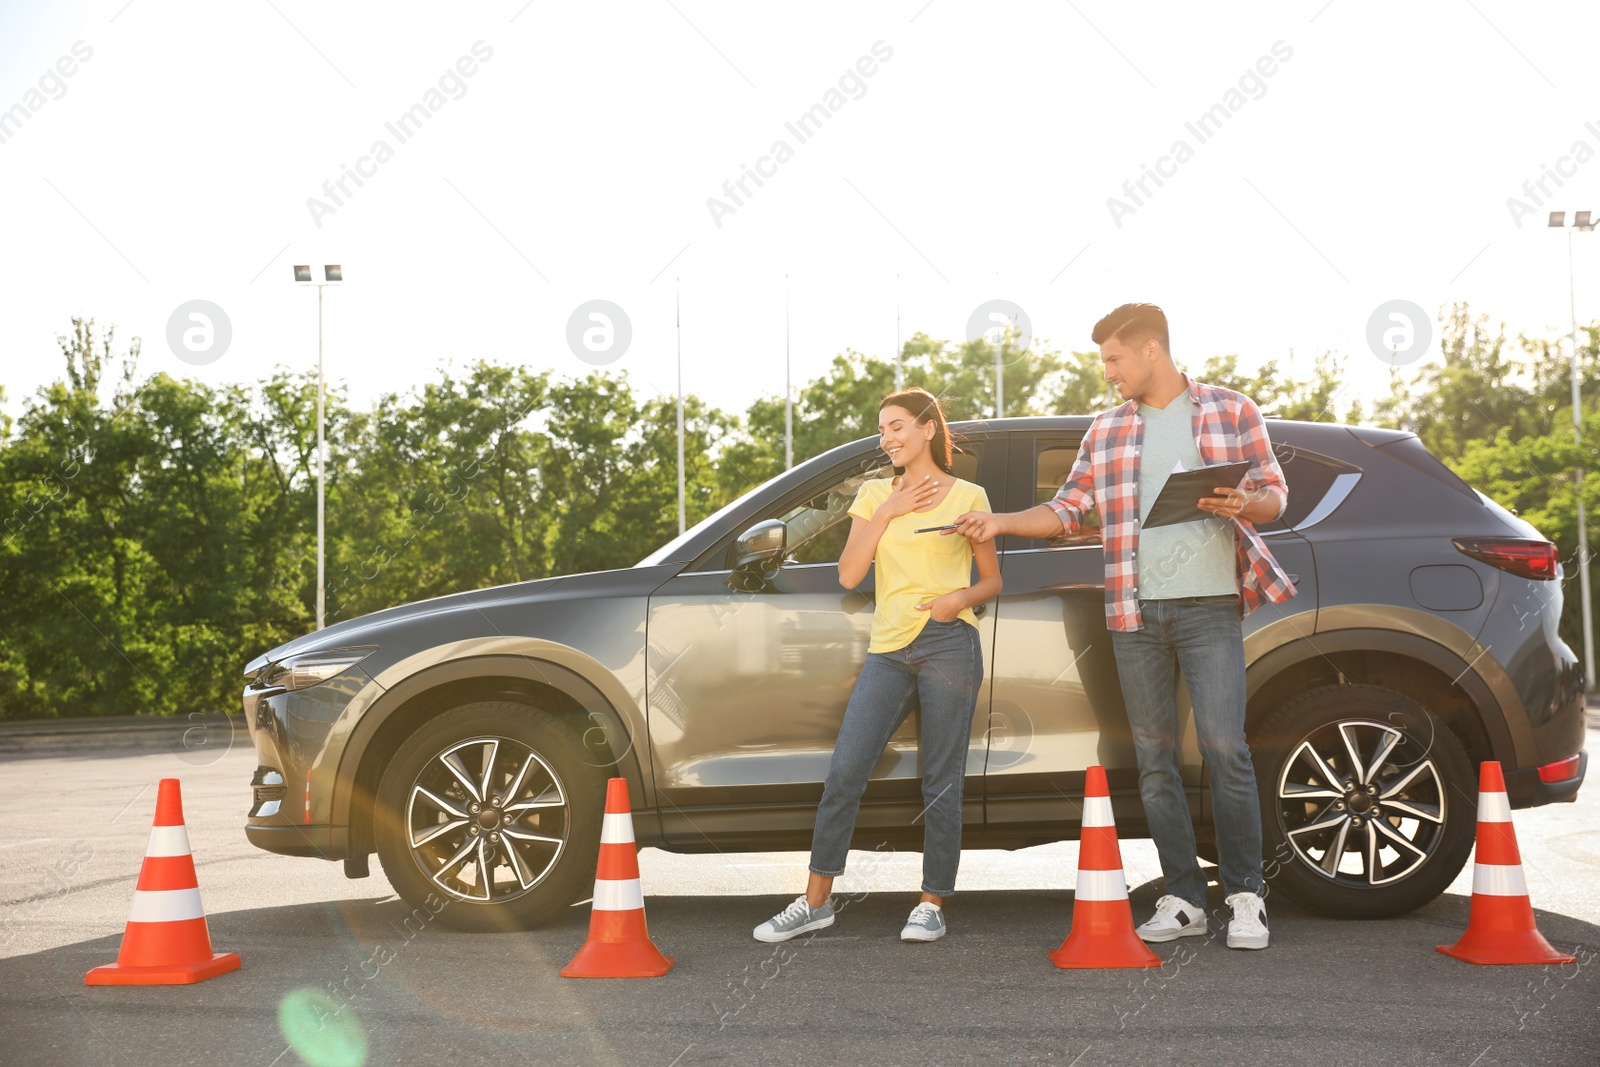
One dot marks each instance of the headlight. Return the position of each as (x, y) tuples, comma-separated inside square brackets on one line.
[(312, 668)]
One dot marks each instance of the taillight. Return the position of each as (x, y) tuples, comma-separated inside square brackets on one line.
[(1559, 771), (1528, 557)]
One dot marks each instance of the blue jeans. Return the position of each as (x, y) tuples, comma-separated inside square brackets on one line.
[(1203, 638), (943, 666)]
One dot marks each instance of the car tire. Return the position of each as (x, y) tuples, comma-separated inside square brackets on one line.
[(1368, 801), (497, 787)]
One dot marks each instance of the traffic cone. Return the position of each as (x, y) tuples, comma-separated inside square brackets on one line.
[(166, 941), (619, 946), (1500, 927), (1102, 922)]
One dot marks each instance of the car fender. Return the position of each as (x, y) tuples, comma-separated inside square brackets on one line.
[(1486, 684), (590, 685)]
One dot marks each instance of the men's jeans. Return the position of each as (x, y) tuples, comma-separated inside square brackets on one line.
[(1202, 637), (943, 666)]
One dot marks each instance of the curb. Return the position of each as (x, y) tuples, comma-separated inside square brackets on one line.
[(130, 731)]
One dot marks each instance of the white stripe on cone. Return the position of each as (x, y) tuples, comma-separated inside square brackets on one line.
[(1493, 807), (617, 894), (1097, 811), (1101, 885), (617, 829), (168, 841), (165, 905), (1499, 879)]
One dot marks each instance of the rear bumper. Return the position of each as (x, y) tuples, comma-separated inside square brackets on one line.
[(1526, 790)]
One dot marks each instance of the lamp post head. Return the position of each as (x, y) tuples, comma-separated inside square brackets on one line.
[(302, 274), (1581, 220), (332, 273), (1558, 219)]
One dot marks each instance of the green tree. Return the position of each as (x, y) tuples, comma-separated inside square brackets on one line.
[(439, 491), (131, 582)]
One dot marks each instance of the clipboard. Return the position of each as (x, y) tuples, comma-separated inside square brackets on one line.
[(1177, 500)]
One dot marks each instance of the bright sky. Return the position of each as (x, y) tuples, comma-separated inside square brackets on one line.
[(1368, 156)]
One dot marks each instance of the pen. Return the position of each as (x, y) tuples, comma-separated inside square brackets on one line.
[(935, 529)]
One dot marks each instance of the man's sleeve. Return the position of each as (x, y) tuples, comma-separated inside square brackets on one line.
[(1075, 499), (1265, 473)]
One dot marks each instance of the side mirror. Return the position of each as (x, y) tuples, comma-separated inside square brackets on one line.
[(761, 546)]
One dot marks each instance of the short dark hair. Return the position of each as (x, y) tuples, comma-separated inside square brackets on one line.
[(1133, 325)]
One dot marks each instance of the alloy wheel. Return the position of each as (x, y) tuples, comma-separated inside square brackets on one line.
[(487, 819), (1362, 803)]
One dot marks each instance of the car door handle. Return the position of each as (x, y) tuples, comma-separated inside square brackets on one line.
[(980, 609)]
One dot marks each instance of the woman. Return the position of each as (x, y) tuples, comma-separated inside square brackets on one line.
[(924, 644)]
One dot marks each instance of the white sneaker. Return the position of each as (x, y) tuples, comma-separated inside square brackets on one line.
[(1174, 918), (1248, 927)]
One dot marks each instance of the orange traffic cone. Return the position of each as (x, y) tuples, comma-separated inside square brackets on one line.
[(166, 941), (619, 946), (1102, 922), (1500, 928)]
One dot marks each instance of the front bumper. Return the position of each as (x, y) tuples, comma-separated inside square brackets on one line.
[(320, 842), (298, 742)]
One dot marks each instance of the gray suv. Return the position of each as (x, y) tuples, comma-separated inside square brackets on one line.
[(467, 739)]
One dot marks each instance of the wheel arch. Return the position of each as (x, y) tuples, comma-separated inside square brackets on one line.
[(537, 683), (1427, 672)]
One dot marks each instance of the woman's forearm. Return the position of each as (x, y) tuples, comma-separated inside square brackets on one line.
[(980, 592)]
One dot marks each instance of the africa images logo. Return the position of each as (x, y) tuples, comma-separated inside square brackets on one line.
[(1205, 126), (405, 126), (805, 126)]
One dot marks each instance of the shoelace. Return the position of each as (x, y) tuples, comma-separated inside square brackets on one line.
[(798, 910), (922, 913), (1249, 915), (1169, 906)]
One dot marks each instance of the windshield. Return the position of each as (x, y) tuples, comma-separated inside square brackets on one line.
[(666, 552)]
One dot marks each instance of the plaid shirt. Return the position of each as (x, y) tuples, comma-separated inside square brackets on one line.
[(1227, 429)]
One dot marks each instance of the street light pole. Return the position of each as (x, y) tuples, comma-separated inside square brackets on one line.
[(1580, 221), (899, 371), (322, 589), (677, 314), (332, 274), (788, 385), (999, 372)]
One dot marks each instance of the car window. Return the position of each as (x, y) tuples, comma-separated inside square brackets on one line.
[(1051, 467), (1309, 476), (819, 527)]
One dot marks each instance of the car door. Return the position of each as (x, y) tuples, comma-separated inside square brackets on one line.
[(1057, 704), (748, 677)]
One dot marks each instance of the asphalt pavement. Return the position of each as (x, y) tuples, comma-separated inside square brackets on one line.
[(341, 972)]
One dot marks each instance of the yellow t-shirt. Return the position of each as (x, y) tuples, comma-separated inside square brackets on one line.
[(912, 567)]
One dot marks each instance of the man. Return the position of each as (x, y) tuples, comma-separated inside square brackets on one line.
[(1175, 595)]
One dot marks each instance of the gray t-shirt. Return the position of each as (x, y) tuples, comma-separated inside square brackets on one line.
[(1187, 558)]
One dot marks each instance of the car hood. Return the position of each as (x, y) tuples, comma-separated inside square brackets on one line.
[(370, 629)]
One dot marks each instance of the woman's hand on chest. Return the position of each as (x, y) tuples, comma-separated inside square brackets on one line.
[(922, 494)]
